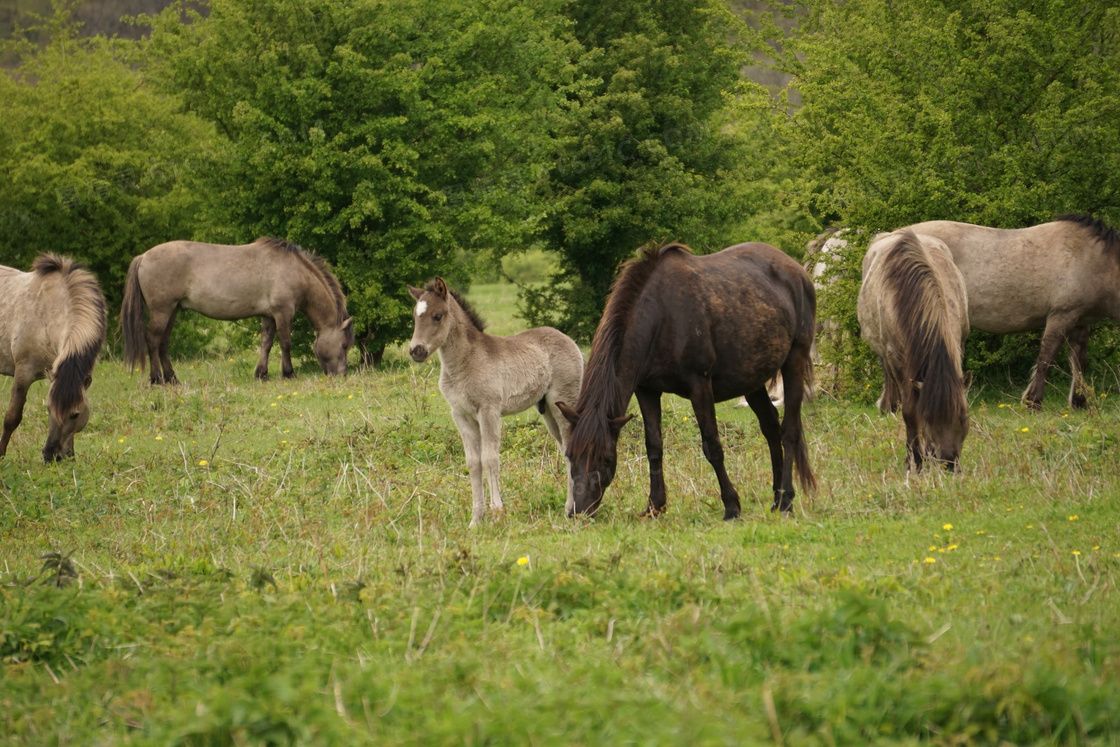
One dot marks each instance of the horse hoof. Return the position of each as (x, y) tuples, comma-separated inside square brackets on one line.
[(1078, 402), (730, 516), (651, 513)]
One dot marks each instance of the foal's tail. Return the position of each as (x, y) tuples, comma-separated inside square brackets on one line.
[(85, 322), (132, 318)]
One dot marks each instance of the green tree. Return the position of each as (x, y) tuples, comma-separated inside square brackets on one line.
[(999, 113), (392, 137), (94, 163), (643, 148)]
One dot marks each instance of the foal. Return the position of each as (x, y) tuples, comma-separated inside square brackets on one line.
[(484, 377)]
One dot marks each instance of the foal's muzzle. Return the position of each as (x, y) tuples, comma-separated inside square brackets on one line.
[(418, 353)]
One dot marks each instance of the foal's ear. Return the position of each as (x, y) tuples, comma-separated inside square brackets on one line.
[(441, 288), (415, 292), (569, 414), (617, 423)]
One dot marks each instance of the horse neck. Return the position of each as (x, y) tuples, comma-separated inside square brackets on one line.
[(319, 302), (613, 373), (457, 351)]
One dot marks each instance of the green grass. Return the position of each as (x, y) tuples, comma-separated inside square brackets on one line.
[(290, 562)]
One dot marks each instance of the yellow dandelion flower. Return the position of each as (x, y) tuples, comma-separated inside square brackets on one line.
[(288, 431), (1076, 552), (120, 440), (1002, 405), (1030, 526), (203, 463), (279, 396), (159, 438), (981, 532), (1024, 430), (932, 548), (283, 442), (1096, 547), (523, 560), (1065, 414), (349, 396), (1104, 394), (274, 404), (1073, 518), (952, 547), (931, 560), (947, 527)]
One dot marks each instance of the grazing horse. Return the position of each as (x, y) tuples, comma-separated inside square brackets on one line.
[(913, 312), (484, 377), (270, 278), (708, 329), (1062, 276), (52, 326)]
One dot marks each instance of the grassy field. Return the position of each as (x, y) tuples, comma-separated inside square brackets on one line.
[(290, 563)]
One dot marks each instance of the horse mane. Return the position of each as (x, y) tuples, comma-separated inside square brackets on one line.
[(86, 320), (316, 264), (601, 386), (1106, 234), (932, 353), (477, 320)]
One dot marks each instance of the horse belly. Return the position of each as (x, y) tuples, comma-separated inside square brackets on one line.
[(226, 303)]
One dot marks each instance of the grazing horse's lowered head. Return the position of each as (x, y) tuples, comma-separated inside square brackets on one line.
[(595, 459)]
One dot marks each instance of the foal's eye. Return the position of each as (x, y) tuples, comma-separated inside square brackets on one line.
[(437, 317)]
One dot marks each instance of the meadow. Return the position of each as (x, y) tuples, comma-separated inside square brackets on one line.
[(231, 562)]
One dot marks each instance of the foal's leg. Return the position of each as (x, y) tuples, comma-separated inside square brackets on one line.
[(560, 430), (703, 405), (490, 429), (1057, 327), (649, 401), (268, 334), (771, 428), (14, 416), (1078, 339), (472, 448)]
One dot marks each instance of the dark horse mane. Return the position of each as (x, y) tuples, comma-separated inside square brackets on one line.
[(601, 387), (86, 330), (478, 322), (316, 264), (919, 297), (1106, 234)]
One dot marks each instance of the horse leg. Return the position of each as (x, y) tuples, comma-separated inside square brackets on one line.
[(158, 323), (490, 429), (284, 332), (14, 416), (472, 441), (649, 401), (1057, 327), (268, 334), (889, 399), (771, 428), (165, 348), (909, 416), (704, 406), (1078, 339)]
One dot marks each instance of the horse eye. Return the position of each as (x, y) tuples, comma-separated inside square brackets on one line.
[(437, 317), (73, 416)]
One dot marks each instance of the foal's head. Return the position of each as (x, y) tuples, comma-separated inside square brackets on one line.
[(438, 310)]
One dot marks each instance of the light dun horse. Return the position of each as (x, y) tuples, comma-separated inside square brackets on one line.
[(707, 329), (1063, 275), (484, 377), (913, 312), (52, 326), (270, 278)]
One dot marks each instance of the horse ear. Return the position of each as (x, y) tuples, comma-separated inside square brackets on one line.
[(917, 385), (569, 414), (88, 382), (441, 288), (415, 292), (617, 423), (348, 325), (967, 379)]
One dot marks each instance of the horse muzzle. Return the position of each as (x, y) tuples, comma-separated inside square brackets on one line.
[(418, 353)]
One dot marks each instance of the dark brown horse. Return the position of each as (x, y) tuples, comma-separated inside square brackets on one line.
[(270, 278), (707, 329)]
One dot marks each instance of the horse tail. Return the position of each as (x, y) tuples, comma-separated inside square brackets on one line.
[(132, 318), (805, 474), (920, 299), (85, 321)]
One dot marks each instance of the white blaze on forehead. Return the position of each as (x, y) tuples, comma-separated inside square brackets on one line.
[(421, 308)]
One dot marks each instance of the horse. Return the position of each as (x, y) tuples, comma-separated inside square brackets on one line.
[(484, 377), (706, 328), (913, 312), (1061, 276), (52, 326), (270, 278)]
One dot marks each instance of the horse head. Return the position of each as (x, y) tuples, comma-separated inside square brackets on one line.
[(331, 346), (593, 455), (944, 435), (430, 319), (64, 426)]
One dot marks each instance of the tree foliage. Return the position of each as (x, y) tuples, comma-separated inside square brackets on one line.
[(92, 158)]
